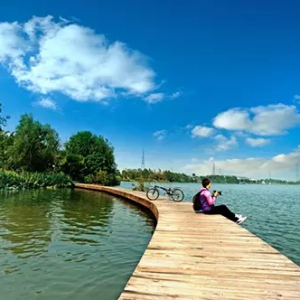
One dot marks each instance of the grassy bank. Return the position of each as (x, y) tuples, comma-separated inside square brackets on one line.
[(27, 180)]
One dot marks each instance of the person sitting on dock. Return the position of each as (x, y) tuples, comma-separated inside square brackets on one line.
[(204, 202)]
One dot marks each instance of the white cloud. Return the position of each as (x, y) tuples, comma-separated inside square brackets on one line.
[(46, 57), (257, 142), (297, 97), (158, 97), (154, 98), (277, 166), (225, 143), (175, 95), (202, 131), (160, 134), (261, 120), (47, 103)]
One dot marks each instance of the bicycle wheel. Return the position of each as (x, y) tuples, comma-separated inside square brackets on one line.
[(152, 194), (177, 195)]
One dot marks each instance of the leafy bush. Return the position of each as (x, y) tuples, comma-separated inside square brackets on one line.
[(27, 180), (140, 185), (103, 178)]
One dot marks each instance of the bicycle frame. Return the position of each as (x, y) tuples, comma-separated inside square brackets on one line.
[(167, 190)]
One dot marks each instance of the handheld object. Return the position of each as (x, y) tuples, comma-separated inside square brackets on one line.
[(220, 192)]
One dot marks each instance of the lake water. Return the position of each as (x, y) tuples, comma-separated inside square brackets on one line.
[(273, 211), (68, 244)]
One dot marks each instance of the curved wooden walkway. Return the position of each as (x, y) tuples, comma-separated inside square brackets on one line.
[(194, 256)]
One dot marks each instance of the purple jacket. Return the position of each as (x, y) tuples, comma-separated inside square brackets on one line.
[(206, 200)]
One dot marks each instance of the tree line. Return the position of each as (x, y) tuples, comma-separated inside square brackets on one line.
[(36, 147), (169, 176)]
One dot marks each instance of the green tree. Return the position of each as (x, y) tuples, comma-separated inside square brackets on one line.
[(3, 120), (34, 146), (6, 140), (73, 165), (97, 156)]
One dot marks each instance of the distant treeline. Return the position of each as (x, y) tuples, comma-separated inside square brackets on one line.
[(168, 176)]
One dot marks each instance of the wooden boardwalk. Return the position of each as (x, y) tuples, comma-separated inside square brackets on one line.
[(195, 256)]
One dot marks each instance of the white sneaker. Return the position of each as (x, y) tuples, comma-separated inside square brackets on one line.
[(241, 220), (239, 216)]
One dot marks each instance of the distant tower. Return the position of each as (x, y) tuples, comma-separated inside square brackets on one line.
[(214, 169), (143, 160)]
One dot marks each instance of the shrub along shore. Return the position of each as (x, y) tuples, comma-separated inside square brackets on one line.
[(10, 180)]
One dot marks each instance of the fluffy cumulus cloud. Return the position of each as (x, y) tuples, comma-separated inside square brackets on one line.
[(250, 167), (45, 56), (257, 142), (202, 131), (260, 121), (268, 120), (224, 143), (160, 134)]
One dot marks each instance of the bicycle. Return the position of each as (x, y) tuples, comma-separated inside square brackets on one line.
[(175, 193)]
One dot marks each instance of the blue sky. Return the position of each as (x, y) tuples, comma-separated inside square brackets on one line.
[(191, 82)]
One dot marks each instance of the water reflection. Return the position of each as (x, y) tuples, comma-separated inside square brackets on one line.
[(66, 243), (86, 221), (23, 223)]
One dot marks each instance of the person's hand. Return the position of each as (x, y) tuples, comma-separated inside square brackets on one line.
[(216, 194)]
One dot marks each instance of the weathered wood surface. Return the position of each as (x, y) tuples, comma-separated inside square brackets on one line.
[(194, 256)]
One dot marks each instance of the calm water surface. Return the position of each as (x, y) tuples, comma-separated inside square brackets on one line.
[(68, 244), (273, 211)]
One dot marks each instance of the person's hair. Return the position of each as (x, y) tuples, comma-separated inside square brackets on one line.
[(205, 182)]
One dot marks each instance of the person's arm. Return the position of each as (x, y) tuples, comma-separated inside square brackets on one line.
[(209, 198)]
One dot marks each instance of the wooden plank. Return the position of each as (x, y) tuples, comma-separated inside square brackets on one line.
[(195, 256)]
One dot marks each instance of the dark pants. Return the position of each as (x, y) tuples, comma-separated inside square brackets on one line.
[(222, 210)]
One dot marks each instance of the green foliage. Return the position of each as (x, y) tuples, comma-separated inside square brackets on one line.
[(168, 176), (140, 185), (34, 146), (73, 165), (100, 177), (90, 158), (6, 141), (222, 179), (26, 180), (159, 175), (3, 120)]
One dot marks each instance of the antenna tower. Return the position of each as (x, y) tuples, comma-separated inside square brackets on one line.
[(214, 169), (143, 160)]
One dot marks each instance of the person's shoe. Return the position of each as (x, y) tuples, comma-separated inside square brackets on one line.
[(241, 220), (239, 216)]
